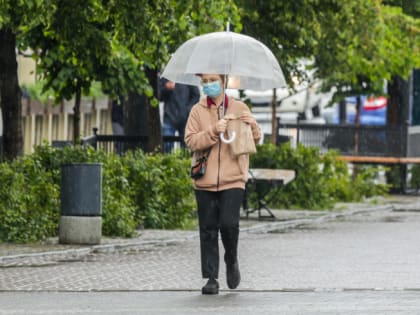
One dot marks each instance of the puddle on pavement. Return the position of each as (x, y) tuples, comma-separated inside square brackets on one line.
[(302, 227), (392, 219)]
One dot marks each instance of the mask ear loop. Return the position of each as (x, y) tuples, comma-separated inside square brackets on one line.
[(222, 135)]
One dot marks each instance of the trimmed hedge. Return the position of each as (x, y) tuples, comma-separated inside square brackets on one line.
[(321, 180), (155, 191), (138, 190)]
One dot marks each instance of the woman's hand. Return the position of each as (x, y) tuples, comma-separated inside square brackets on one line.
[(221, 125), (248, 118)]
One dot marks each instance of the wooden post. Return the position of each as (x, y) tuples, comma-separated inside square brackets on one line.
[(274, 118)]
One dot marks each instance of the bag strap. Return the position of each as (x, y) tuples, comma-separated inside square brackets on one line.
[(205, 155)]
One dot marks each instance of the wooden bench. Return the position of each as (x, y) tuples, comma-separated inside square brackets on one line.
[(275, 179), (384, 160), (379, 159)]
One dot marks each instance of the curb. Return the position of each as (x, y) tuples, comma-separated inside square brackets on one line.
[(257, 228), (290, 224)]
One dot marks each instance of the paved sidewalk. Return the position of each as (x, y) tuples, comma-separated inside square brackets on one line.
[(285, 219), (357, 259), (192, 303)]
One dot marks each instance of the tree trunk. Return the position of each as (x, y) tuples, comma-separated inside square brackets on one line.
[(10, 96), (357, 124), (135, 115), (397, 116), (356, 134), (76, 116), (143, 119), (153, 119), (135, 119), (398, 102)]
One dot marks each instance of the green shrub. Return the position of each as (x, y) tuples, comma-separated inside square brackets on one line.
[(29, 200), (415, 177), (321, 179), (117, 207), (154, 190), (150, 190), (161, 188)]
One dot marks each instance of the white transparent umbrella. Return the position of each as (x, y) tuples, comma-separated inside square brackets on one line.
[(247, 62)]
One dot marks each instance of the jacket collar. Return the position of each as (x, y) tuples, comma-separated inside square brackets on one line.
[(210, 102)]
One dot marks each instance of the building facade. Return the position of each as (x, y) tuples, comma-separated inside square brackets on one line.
[(51, 123), (54, 122)]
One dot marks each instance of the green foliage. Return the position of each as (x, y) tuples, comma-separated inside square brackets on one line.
[(29, 201), (77, 43), (321, 180), (353, 45), (40, 92), (415, 177), (118, 209), (138, 189), (161, 188), (393, 177), (155, 191), (289, 28)]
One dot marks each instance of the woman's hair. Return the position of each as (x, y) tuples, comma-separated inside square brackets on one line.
[(222, 77)]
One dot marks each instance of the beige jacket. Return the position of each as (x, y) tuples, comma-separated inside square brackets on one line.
[(224, 171)]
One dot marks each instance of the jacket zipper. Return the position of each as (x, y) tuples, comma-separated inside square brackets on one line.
[(219, 157)]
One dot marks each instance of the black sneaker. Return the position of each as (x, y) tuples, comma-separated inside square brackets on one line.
[(211, 287), (233, 276)]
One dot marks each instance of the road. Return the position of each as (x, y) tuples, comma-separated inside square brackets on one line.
[(363, 264)]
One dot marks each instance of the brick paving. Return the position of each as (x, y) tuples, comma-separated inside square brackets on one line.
[(362, 259), (368, 251)]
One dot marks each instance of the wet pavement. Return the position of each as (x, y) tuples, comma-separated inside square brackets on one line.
[(183, 303), (359, 259)]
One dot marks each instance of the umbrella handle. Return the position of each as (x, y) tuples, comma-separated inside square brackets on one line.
[(222, 137)]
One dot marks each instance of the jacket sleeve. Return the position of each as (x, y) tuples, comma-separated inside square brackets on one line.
[(196, 138)]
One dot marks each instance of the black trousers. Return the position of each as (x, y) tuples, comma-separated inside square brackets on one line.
[(218, 211)]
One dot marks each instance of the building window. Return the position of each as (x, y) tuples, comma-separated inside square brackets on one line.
[(24, 122), (55, 132), (70, 127), (87, 124), (103, 127), (39, 120)]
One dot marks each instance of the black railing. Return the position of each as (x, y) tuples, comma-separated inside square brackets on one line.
[(385, 141), (122, 143), (349, 139)]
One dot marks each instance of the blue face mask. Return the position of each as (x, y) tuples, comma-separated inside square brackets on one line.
[(212, 89)]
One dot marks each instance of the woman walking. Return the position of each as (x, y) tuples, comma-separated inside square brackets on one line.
[(220, 191)]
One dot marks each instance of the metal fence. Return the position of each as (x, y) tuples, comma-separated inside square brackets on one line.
[(121, 143), (384, 141), (348, 139)]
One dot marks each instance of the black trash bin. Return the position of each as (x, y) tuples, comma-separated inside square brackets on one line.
[(81, 203), (81, 189)]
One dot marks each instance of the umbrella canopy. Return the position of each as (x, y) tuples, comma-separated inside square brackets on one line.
[(248, 62)]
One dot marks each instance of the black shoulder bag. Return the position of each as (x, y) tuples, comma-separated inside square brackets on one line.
[(199, 168)]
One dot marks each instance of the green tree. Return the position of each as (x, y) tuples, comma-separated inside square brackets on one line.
[(289, 28), (160, 27), (354, 45), (123, 45), (15, 18), (75, 46)]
